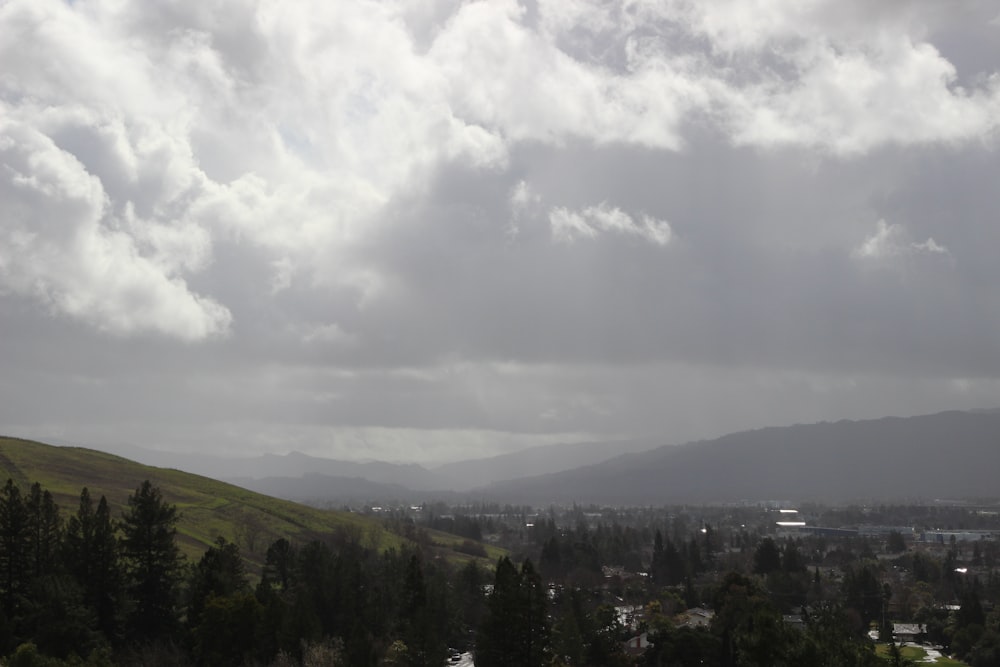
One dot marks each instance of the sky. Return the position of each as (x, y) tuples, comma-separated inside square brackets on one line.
[(428, 230)]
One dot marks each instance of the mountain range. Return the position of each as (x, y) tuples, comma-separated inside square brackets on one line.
[(266, 471), (948, 454), (944, 455)]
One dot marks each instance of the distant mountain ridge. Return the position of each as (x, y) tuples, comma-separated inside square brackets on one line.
[(279, 473), (475, 473), (291, 465), (948, 454)]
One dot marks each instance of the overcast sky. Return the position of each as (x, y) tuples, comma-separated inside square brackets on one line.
[(426, 230)]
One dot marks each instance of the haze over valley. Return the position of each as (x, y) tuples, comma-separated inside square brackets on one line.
[(944, 455)]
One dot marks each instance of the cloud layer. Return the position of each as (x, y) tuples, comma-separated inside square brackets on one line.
[(490, 217)]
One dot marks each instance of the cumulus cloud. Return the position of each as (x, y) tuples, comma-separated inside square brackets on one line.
[(568, 226), (356, 188), (229, 122), (892, 241), (847, 77), (60, 243), (292, 128)]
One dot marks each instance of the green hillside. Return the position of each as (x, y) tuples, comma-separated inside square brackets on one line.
[(208, 508)]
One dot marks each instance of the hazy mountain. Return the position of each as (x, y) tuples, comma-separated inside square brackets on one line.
[(946, 454), (473, 473), (949, 454), (293, 465), (282, 474), (327, 481), (317, 489)]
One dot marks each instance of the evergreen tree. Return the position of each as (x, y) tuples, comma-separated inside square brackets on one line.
[(534, 627), (568, 642), (658, 567), (278, 564), (15, 545), (104, 589), (767, 557), (45, 531), (515, 631), (107, 577), (748, 625), (470, 599), (219, 574), (420, 616), (895, 544), (863, 593), (225, 634), (496, 644), (79, 538), (551, 559), (152, 563), (791, 560)]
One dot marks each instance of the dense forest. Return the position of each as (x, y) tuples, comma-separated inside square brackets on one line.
[(89, 588)]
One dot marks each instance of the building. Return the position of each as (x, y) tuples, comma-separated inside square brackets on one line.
[(907, 632), (696, 617), (636, 645)]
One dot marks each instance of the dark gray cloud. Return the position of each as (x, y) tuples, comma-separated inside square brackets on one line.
[(420, 231)]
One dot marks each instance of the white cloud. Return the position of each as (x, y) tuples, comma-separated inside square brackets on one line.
[(851, 100), (891, 241), (60, 243), (848, 77), (843, 76), (504, 75), (292, 129), (568, 226), (523, 197), (282, 128)]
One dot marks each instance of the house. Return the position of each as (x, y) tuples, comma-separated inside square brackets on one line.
[(794, 621), (907, 632), (696, 617), (636, 645)]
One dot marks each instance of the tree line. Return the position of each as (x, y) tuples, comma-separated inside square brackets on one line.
[(93, 589), (100, 590)]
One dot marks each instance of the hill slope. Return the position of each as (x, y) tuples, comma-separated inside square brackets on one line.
[(208, 508), (944, 455)]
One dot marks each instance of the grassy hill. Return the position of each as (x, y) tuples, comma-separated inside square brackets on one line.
[(208, 508)]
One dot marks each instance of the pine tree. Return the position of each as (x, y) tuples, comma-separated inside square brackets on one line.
[(515, 631), (219, 573), (534, 627), (417, 626), (84, 565), (15, 560), (105, 590), (496, 643), (658, 567), (45, 531), (152, 562), (767, 557)]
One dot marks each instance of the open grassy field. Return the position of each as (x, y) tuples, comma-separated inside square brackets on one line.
[(208, 508), (919, 656)]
